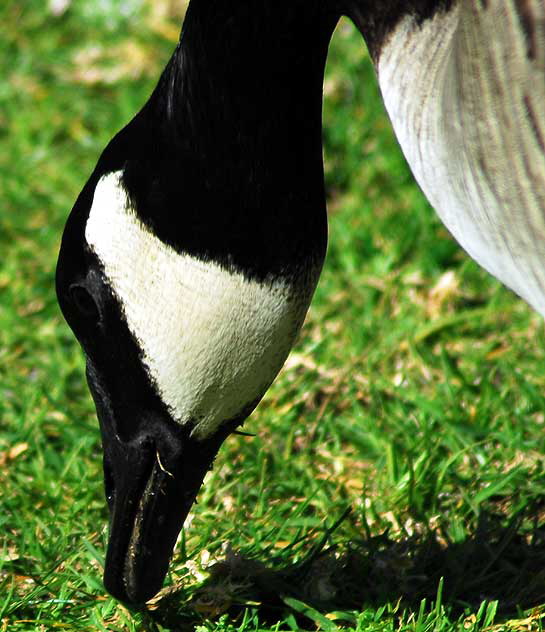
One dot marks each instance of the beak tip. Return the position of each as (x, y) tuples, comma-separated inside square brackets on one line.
[(132, 596)]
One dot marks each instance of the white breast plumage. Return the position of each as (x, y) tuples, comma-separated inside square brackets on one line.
[(466, 95), (212, 340)]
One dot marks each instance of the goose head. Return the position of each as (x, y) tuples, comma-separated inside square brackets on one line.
[(179, 350)]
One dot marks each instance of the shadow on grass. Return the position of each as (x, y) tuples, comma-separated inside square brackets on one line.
[(499, 561)]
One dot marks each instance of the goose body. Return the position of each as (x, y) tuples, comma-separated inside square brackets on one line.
[(465, 91), (191, 255)]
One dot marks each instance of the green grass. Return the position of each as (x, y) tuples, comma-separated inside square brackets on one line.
[(414, 396)]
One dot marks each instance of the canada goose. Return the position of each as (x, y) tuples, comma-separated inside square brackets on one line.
[(191, 255)]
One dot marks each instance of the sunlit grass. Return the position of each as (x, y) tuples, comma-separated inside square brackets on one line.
[(414, 397)]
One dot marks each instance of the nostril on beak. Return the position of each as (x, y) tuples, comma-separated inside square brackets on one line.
[(109, 483)]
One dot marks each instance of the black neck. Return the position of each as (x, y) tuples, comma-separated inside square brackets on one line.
[(229, 158), (253, 67)]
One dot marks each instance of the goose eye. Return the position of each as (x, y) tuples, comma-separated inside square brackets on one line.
[(84, 302)]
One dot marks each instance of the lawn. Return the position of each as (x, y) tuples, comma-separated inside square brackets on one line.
[(396, 478)]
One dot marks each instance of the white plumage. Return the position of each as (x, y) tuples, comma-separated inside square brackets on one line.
[(212, 340), (466, 95)]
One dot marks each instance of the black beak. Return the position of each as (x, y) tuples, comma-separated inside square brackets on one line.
[(152, 477), (150, 488)]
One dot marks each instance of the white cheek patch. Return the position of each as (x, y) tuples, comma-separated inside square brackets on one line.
[(467, 103), (212, 340)]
